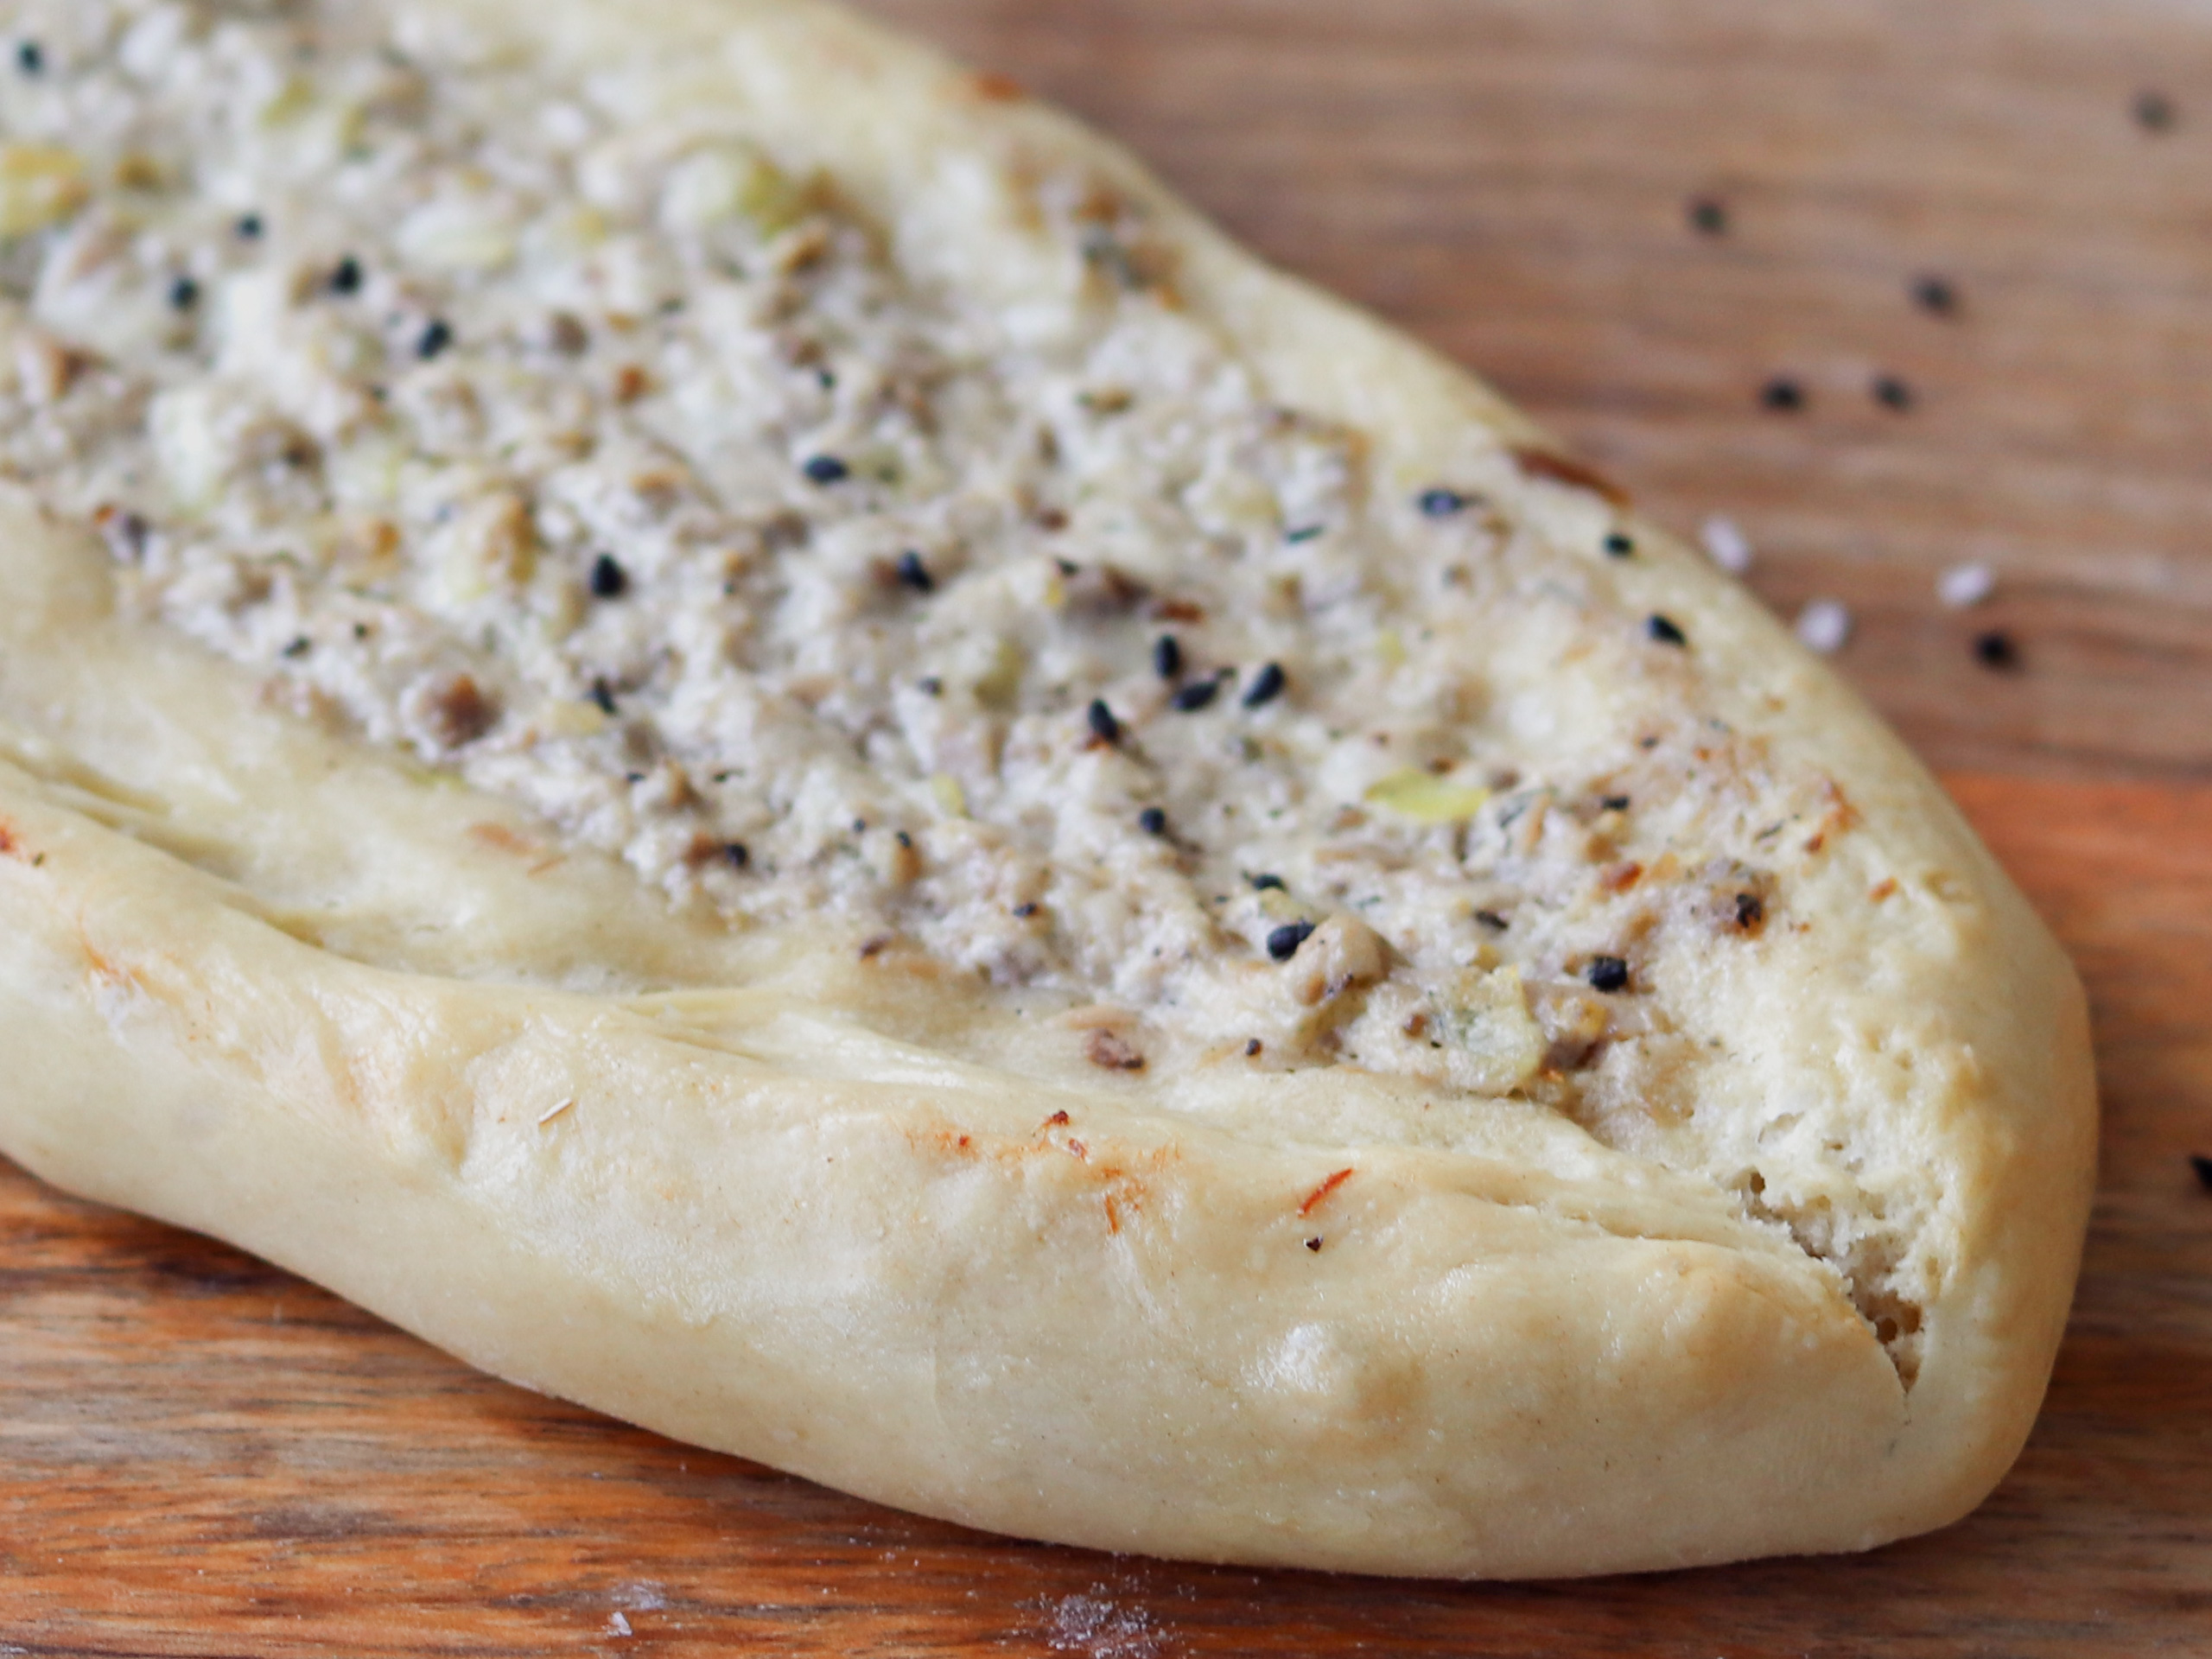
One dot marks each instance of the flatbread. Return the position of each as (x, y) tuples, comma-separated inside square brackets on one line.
[(722, 716)]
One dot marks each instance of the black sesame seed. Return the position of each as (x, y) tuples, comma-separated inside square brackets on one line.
[(1751, 910), (932, 687), (1103, 725), (1996, 650), (913, 574), (1664, 630), (904, 840), (826, 470), (1025, 911), (434, 339), (1303, 533), (345, 276), (249, 227), (184, 293), (1607, 974), (1708, 217), (1313, 1243), (1784, 395), (1441, 504), (1252, 1046), (2202, 1165), (30, 58), (1166, 657), (739, 854), (1935, 295), (1267, 686), (1197, 695), (1491, 919), (1268, 884), (1893, 393), (608, 579), (1152, 820), (603, 694), (298, 647), (1283, 943), (2154, 111), (1613, 803), (1618, 546)]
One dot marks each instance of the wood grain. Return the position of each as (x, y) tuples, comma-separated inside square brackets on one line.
[(200, 1455)]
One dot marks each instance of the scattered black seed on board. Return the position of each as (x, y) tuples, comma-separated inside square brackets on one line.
[(298, 647), (1708, 216), (434, 339), (1751, 910), (2202, 1165), (1283, 943), (608, 579), (1166, 657), (903, 839), (1996, 648), (1618, 546), (1025, 911), (1303, 533), (1935, 295), (826, 470), (739, 854), (1252, 1046), (1152, 820), (1783, 394), (249, 227), (184, 293), (603, 694), (1197, 695), (1664, 630), (1890, 392), (30, 58), (1441, 504), (913, 574), (346, 276), (1607, 974), (2154, 111), (1268, 884), (1491, 919), (1313, 1243), (1613, 803), (1103, 725), (1267, 686)]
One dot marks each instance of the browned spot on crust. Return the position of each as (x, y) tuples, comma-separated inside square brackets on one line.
[(1113, 1215), (1564, 469), (996, 88), (9, 847), (1619, 877), (1883, 889), (1109, 1050), (1178, 610), (1323, 1189), (1076, 1149), (875, 947)]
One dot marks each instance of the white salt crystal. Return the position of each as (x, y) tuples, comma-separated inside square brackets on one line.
[(1727, 545), (1824, 625), (1964, 585)]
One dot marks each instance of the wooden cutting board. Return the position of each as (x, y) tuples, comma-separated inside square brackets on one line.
[(200, 1455)]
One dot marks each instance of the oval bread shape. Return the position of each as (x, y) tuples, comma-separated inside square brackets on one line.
[(732, 723)]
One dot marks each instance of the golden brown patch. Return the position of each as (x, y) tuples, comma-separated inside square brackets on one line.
[(995, 88), (1883, 889), (498, 837)]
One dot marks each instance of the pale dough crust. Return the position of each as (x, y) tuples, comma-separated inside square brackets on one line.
[(263, 981)]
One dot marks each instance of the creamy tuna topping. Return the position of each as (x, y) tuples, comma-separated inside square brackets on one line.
[(621, 471)]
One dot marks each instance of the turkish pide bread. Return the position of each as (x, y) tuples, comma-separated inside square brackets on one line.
[(719, 715)]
